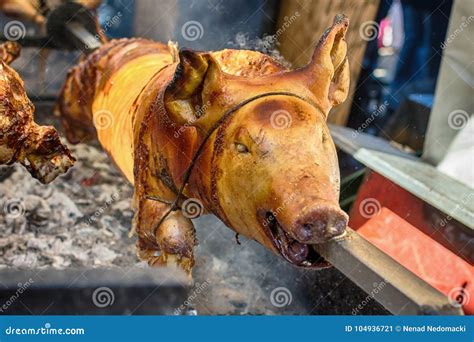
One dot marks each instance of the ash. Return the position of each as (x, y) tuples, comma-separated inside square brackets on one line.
[(267, 45), (80, 219)]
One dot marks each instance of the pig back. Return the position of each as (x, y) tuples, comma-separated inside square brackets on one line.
[(99, 94)]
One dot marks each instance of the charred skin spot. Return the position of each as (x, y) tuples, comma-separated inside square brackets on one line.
[(219, 145)]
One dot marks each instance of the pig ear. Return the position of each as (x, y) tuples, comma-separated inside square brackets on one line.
[(328, 71), (183, 96)]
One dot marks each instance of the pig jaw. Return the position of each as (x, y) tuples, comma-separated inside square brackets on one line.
[(301, 219), (295, 252), (295, 243)]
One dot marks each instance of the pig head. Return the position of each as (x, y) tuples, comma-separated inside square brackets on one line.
[(269, 170)]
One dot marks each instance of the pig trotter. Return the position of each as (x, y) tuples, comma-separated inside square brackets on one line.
[(169, 244)]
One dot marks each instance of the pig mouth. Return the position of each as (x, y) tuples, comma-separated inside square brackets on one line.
[(295, 252)]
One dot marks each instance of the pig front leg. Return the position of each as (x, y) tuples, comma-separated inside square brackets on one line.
[(172, 243)]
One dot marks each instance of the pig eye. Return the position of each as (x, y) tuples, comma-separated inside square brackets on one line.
[(241, 148)]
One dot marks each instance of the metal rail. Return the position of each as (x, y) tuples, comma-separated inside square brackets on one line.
[(396, 288), (88, 41)]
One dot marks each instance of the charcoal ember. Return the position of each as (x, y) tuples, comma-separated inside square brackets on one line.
[(79, 220), (113, 225), (69, 212), (5, 171), (102, 254), (37, 209)]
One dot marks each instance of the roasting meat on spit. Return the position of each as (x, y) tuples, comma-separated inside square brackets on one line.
[(38, 148), (230, 132)]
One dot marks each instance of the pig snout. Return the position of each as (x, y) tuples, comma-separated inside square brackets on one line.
[(313, 221), (319, 223)]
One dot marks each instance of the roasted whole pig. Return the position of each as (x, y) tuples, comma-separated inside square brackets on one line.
[(231, 132), (38, 148)]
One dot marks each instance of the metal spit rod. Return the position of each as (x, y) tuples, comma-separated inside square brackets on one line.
[(396, 288), (89, 41)]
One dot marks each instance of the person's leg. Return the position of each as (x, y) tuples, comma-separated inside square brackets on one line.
[(413, 30), (371, 53)]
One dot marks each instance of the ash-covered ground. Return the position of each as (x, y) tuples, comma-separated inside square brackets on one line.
[(80, 219)]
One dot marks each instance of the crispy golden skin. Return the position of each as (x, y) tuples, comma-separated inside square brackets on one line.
[(9, 51), (272, 181), (38, 148)]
